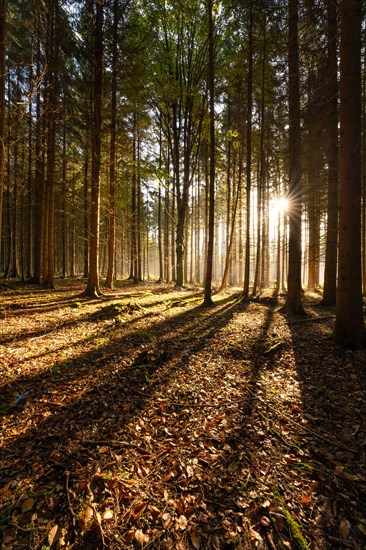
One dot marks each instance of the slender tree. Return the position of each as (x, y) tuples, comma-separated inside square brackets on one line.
[(211, 210), (92, 288), (249, 153), (112, 155), (330, 270), (293, 300)]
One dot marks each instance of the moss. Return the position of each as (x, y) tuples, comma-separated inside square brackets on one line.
[(295, 532)]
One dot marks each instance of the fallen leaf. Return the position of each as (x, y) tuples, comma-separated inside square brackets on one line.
[(182, 521), (107, 514), (215, 542), (129, 536), (344, 528), (196, 540), (9, 535), (27, 505), (138, 509), (53, 535), (86, 515), (155, 512), (141, 539), (305, 500), (266, 504), (167, 520), (254, 534)]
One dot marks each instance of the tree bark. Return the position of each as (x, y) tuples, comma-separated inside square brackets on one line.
[(330, 270), (249, 153), (92, 288), (112, 156), (2, 101), (211, 210), (349, 327), (293, 300)]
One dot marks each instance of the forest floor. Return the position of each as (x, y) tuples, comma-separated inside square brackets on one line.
[(144, 420)]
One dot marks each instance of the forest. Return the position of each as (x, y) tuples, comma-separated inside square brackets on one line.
[(183, 274)]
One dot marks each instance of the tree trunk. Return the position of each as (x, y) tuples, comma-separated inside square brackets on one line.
[(330, 270), (211, 210), (293, 300), (52, 101), (92, 288), (112, 156), (349, 327), (249, 153), (2, 101)]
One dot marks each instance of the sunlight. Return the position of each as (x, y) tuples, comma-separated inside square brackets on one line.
[(280, 205)]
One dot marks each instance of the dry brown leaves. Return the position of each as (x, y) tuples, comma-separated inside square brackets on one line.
[(143, 420)]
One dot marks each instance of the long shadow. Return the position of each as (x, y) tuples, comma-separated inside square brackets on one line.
[(31, 381), (242, 477), (120, 355), (101, 384), (333, 389)]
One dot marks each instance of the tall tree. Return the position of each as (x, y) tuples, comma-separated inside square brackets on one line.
[(249, 153), (112, 155), (2, 102), (293, 299), (211, 210), (92, 288), (349, 327), (330, 270), (51, 110)]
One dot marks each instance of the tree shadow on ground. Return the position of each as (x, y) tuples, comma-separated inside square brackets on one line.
[(333, 389), (76, 410)]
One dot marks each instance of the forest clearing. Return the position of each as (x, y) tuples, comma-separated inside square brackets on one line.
[(143, 420)]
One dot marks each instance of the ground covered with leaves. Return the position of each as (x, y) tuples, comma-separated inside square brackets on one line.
[(144, 420)]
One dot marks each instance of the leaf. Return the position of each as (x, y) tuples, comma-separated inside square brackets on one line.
[(129, 536), (9, 535), (254, 534), (87, 515), (344, 528), (305, 500), (138, 509), (141, 538), (54, 535), (107, 514), (182, 522), (196, 539), (266, 504), (27, 505), (167, 520)]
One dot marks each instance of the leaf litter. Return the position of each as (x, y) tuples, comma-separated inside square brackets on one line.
[(130, 422)]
